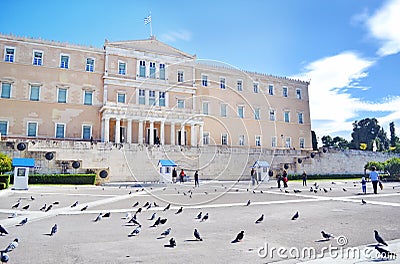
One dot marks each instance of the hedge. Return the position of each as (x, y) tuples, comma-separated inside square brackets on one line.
[(4, 181), (325, 176), (60, 179)]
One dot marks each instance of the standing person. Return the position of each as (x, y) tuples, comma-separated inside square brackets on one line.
[(174, 175), (181, 175), (304, 178), (374, 176), (253, 175), (285, 179), (196, 179), (364, 185), (279, 179)]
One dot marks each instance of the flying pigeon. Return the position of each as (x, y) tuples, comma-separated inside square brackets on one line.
[(327, 236), (3, 230), (172, 242), (363, 202), (385, 253), (49, 208), (136, 231), (197, 235), (239, 237), (205, 217), (98, 218), (157, 222), (179, 210), (296, 215), (248, 203), (108, 214), (84, 208), (26, 207), (167, 207), (379, 239), (259, 220), (166, 232), (54, 229), (152, 216), (13, 245), (43, 207), (163, 221), (74, 205), (23, 222), (199, 216), (136, 204), (15, 206)]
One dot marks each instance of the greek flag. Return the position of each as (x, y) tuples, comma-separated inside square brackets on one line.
[(147, 20)]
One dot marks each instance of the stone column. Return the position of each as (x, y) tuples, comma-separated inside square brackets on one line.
[(106, 129), (129, 135), (151, 134), (117, 130), (162, 139), (192, 136), (201, 135), (182, 134), (172, 133), (140, 132)]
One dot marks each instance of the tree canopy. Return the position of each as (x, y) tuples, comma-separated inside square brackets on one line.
[(5, 163)]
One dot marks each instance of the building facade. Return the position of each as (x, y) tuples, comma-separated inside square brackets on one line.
[(144, 92)]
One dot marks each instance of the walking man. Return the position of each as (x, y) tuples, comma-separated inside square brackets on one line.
[(196, 179)]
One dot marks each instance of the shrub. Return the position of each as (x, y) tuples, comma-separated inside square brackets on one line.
[(61, 179), (2, 186), (325, 176), (5, 179)]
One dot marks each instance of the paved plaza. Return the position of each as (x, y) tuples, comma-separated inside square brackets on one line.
[(277, 239)]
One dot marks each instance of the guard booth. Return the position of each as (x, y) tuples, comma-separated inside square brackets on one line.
[(261, 167), (165, 169), (21, 172)]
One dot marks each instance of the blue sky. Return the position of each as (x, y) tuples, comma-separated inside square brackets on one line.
[(349, 49)]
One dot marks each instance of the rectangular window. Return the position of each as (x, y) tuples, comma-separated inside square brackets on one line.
[(257, 113), (270, 89), (288, 142), (273, 142), (205, 108), (60, 130), (86, 131), (142, 97), (142, 69), (152, 97), (64, 61), (5, 90), (181, 103), (121, 98), (89, 65), (35, 93), (224, 139), (301, 142), (180, 76), (222, 83), (285, 92), (3, 128), (298, 93), (121, 68), (37, 58), (241, 140), (152, 70), (286, 116), (161, 98), (162, 71), (272, 115), (258, 141), (62, 95), (31, 129), (300, 118), (223, 110), (9, 55), (204, 80), (88, 98), (206, 138), (255, 88), (239, 85), (240, 111)]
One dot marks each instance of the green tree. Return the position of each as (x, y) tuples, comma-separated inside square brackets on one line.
[(5, 163), (340, 142), (314, 140), (364, 131), (393, 138), (380, 166), (392, 166), (327, 141)]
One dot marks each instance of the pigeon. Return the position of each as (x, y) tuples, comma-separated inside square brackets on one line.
[(315, 191), (54, 229), (4, 257), (179, 210), (148, 207), (26, 207), (259, 220), (166, 232), (325, 190), (155, 205), (344, 190), (3, 230), (13, 245), (84, 208), (172, 242), (385, 253), (139, 210), (98, 218), (296, 191), (327, 236), (146, 204), (363, 202), (152, 216), (163, 221), (108, 214), (32, 198), (286, 191), (379, 239), (15, 206), (136, 231), (295, 216), (56, 202), (248, 203), (157, 222), (133, 220), (197, 235), (49, 208), (136, 204), (205, 217), (311, 189), (74, 205), (167, 207), (43, 207), (199, 216), (239, 237), (23, 222), (261, 191)]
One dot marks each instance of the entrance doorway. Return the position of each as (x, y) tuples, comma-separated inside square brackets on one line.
[(122, 134), (155, 134), (179, 138)]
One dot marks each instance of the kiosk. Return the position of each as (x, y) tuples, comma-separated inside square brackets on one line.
[(21, 172), (261, 168), (165, 169)]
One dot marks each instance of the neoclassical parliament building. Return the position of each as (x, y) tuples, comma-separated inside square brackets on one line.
[(144, 92)]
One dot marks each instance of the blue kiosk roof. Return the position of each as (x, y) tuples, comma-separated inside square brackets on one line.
[(167, 163), (23, 162)]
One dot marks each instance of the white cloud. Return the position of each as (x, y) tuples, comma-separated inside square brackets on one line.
[(384, 25), (176, 35)]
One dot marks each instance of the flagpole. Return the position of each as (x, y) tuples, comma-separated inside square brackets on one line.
[(151, 28)]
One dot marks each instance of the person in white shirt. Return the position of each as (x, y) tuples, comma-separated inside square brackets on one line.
[(374, 176)]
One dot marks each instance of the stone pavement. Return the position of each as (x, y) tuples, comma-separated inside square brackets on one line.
[(277, 239)]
